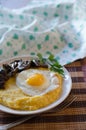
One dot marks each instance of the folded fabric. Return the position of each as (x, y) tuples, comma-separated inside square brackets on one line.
[(45, 27)]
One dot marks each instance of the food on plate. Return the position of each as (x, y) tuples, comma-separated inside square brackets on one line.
[(31, 84)]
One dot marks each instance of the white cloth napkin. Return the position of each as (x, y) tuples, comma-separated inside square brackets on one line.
[(45, 27)]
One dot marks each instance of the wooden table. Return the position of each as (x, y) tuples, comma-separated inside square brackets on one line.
[(72, 118)]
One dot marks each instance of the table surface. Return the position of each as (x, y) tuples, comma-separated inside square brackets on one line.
[(72, 118)]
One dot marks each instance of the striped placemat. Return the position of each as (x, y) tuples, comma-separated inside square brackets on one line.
[(72, 118)]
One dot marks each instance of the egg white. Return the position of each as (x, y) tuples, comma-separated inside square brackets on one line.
[(49, 84)]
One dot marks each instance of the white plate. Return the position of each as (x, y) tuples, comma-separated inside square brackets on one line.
[(67, 85)]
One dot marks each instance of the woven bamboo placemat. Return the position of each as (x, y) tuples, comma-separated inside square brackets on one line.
[(72, 118)]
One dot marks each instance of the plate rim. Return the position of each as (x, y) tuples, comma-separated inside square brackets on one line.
[(41, 110)]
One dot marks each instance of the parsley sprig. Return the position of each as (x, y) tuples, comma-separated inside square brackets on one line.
[(54, 65)]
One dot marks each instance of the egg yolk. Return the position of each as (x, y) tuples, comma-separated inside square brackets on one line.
[(36, 80)]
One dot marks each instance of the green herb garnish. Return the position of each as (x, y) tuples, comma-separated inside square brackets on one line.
[(40, 58), (54, 65)]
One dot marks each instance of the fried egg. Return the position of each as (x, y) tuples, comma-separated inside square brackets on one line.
[(37, 81)]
